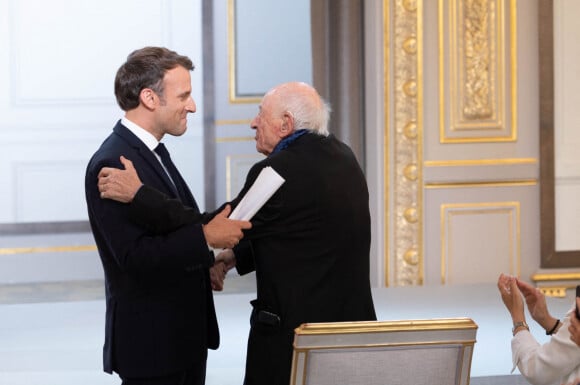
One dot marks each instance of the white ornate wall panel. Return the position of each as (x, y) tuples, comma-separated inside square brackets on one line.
[(57, 90), (81, 64), (35, 186), (481, 164), (476, 231), (477, 71), (478, 239), (237, 168), (57, 65), (568, 213), (262, 57), (567, 122), (481, 170), (459, 83), (49, 258), (248, 61), (471, 138)]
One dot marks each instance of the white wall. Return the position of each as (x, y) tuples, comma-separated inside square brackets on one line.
[(58, 60), (567, 122)]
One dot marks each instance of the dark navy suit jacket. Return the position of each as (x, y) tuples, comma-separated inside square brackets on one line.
[(160, 315)]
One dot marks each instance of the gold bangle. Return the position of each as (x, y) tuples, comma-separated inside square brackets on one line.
[(518, 325)]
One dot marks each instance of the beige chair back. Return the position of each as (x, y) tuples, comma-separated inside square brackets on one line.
[(430, 351)]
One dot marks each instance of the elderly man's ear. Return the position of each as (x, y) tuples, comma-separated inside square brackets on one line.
[(287, 123)]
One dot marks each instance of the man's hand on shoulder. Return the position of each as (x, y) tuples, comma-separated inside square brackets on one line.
[(224, 233), (117, 184)]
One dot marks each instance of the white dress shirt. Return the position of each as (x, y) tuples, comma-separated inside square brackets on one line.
[(555, 362), (145, 136), (148, 139)]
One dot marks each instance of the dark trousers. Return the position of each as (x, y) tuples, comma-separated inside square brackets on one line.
[(195, 375), (269, 356)]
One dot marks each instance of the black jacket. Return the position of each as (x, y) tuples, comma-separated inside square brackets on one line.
[(309, 246), (160, 314)]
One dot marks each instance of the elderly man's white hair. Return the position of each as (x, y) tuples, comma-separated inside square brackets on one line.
[(305, 105)]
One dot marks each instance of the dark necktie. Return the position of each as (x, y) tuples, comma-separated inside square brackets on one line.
[(172, 170)]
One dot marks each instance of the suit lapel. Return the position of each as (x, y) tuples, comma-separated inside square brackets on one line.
[(145, 154), (150, 158), (189, 200)]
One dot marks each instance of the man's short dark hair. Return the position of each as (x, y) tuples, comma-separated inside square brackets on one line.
[(145, 68)]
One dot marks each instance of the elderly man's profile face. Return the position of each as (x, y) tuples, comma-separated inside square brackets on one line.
[(268, 125)]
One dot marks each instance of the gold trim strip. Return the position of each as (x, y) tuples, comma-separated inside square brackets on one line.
[(463, 343), (555, 291), (235, 139), (231, 51), (514, 66), (545, 277), (522, 183), (386, 142), (234, 98), (233, 122), (482, 139), (441, 41), (420, 107), (479, 162), (51, 249), (384, 326)]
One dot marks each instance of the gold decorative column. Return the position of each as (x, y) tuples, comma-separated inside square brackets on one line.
[(407, 146)]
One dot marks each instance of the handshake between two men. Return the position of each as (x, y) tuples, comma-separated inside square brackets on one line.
[(220, 232)]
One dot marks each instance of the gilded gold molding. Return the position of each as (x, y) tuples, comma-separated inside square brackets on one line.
[(409, 131), (556, 284), (235, 139), (550, 277), (238, 122), (480, 162), (473, 107), (512, 209), (234, 97), (384, 326), (411, 257), (408, 142), (312, 348), (386, 135), (515, 183), (458, 334), (477, 63), (554, 291), (50, 249)]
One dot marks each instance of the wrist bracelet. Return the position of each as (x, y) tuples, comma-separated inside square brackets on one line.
[(518, 325), (549, 333)]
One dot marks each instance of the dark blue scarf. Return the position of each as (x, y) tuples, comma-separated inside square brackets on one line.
[(288, 140)]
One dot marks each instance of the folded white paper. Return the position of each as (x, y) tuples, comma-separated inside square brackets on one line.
[(265, 185)]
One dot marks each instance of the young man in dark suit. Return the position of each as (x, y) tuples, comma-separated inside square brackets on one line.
[(160, 316), (309, 244)]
